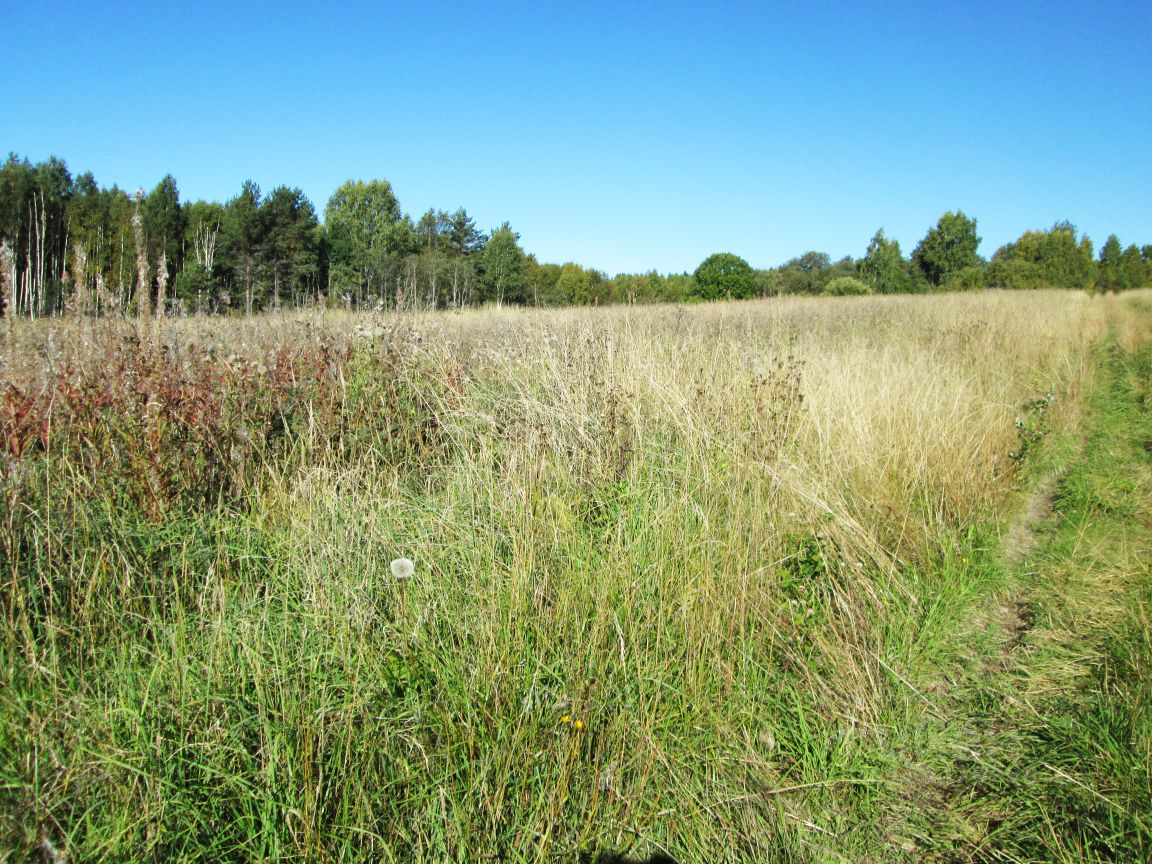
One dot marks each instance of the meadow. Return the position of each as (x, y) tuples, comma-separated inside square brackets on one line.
[(722, 582)]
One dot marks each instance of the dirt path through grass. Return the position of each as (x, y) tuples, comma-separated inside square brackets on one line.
[(1023, 535), (1052, 740)]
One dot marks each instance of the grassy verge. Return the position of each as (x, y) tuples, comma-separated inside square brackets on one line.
[(1052, 757)]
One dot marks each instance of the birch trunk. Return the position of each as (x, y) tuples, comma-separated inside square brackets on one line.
[(143, 282)]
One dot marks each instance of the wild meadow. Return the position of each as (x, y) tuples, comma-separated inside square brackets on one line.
[(723, 582)]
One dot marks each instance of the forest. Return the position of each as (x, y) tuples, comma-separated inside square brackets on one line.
[(69, 245)]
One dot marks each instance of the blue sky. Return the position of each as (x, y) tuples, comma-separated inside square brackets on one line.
[(624, 136)]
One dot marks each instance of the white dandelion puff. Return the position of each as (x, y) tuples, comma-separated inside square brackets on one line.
[(403, 568)]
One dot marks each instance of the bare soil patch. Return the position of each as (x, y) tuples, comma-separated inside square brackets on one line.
[(1022, 536)]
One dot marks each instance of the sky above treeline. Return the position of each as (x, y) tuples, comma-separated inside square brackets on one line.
[(622, 136)]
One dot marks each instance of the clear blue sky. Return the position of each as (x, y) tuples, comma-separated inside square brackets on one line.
[(626, 135)]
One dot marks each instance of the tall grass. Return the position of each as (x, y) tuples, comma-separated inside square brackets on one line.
[(685, 577)]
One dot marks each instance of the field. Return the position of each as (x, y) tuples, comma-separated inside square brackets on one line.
[(846, 579)]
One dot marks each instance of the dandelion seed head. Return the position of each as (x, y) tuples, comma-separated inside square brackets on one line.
[(403, 568), (605, 779)]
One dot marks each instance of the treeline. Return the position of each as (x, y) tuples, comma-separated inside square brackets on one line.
[(68, 245), (944, 260), (1060, 257)]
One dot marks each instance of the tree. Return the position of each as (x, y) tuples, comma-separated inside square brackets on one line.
[(651, 287), (504, 267), (15, 190), (1044, 259), (462, 280), (289, 249), (84, 213), (542, 283), (202, 223), (724, 275), (574, 284), (197, 284), (966, 279), (87, 230), (805, 274), (368, 237), (432, 230), (34, 202), (1108, 275), (163, 225), (463, 236), (1131, 268), (883, 266), (241, 235), (359, 214), (947, 248), (433, 272)]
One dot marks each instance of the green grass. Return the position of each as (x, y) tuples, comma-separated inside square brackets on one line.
[(1055, 764)]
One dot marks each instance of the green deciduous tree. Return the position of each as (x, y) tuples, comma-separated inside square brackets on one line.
[(1057, 258), (504, 266), (164, 224), (724, 275), (1132, 271), (432, 230), (573, 284), (90, 236), (34, 202), (947, 248), (113, 252), (359, 215), (965, 279), (1108, 274), (542, 280), (462, 281), (198, 283), (804, 274), (883, 266), (368, 238)]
